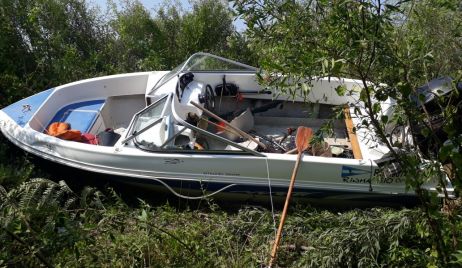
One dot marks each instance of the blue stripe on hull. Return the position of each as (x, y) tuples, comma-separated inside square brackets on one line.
[(276, 191), (22, 111)]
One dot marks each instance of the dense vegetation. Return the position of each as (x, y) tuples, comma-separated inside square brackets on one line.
[(403, 44), (47, 43), (45, 223)]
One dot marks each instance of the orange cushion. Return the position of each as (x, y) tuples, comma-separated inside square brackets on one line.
[(57, 128), (70, 135), (61, 130)]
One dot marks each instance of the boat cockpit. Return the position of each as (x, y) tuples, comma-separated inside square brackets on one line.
[(210, 104)]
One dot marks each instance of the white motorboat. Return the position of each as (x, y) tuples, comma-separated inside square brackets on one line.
[(165, 128)]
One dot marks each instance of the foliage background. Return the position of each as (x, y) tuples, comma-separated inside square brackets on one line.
[(45, 43)]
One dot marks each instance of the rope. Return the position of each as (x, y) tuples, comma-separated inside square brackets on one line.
[(370, 178), (192, 197), (271, 195)]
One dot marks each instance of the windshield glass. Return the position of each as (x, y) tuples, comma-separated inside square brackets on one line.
[(169, 75), (204, 62), (149, 127), (208, 62)]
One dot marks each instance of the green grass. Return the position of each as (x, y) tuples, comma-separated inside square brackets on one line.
[(14, 164), (46, 223)]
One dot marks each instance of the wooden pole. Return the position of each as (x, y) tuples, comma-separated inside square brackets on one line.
[(242, 133), (302, 142)]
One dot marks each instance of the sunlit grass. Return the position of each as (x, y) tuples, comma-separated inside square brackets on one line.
[(49, 224)]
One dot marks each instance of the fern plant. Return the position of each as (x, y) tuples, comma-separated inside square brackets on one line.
[(40, 217)]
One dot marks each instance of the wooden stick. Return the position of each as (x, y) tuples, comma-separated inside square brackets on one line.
[(242, 133), (224, 129), (302, 141), (294, 150), (351, 134)]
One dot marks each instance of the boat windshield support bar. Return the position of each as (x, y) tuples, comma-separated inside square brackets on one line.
[(206, 133), (221, 58), (136, 133), (173, 137)]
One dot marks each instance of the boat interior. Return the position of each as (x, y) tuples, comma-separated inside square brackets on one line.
[(207, 113), (196, 109)]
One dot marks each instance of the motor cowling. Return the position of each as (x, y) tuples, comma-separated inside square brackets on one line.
[(431, 100)]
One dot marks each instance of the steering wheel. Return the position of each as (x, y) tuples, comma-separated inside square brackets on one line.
[(209, 98)]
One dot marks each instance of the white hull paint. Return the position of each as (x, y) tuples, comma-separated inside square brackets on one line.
[(314, 173), (257, 170)]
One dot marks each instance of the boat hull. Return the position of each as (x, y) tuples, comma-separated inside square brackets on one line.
[(24, 122), (240, 174), (154, 190)]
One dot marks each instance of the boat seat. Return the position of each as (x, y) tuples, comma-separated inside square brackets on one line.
[(80, 116)]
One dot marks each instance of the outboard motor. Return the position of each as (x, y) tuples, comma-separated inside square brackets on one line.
[(435, 96)]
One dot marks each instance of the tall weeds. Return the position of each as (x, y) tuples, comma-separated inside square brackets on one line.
[(45, 223)]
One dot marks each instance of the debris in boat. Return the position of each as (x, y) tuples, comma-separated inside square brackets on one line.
[(255, 110), (242, 133), (202, 123), (336, 150), (244, 122), (320, 149), (248, 143), (63, 131), (272, 146), (288, 133), (201, 143), (107, 137), (220, 126), (184, 142), (119, 130), (89, 138), (291, 151), (57, 127)]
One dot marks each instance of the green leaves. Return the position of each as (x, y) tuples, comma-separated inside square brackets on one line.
[(305, 88), (166, 236), (207, 27), (392, 48), (384, 119), (47, 43), (341, 90)]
